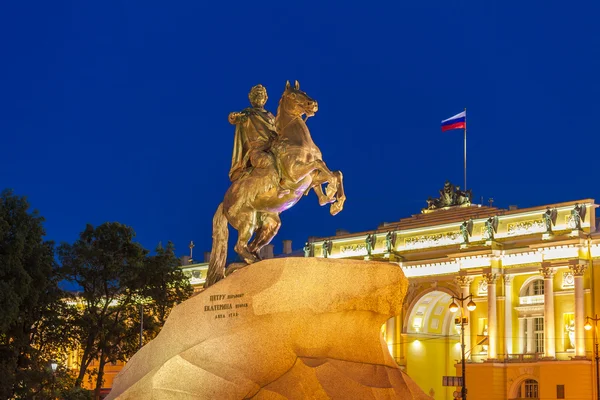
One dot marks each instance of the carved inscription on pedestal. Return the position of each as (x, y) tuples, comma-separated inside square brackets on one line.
[(226, 305)]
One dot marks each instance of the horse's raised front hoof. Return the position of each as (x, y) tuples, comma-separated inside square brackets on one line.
[(330, 190), (336, 207), (323, 201)]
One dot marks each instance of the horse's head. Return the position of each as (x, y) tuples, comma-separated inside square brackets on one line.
[(295, 102)]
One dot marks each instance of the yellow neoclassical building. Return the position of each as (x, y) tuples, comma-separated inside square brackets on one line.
[(531, 276)]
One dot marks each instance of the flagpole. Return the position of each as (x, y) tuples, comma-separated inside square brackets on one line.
[(465, 149)]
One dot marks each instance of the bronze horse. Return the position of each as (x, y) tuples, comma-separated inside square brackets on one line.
[(253, 202)]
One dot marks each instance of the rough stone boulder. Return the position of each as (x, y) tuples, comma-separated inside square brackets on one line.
[(295, 328)]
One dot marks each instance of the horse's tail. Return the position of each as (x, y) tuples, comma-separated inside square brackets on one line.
[(218, 255)]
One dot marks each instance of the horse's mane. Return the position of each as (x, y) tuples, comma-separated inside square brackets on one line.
[(279, 110)]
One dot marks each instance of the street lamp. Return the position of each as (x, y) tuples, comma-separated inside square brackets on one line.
[(454, 308), (53, 367), (588, 326)]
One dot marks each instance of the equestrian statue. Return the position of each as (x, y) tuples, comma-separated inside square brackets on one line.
[(275, 162)]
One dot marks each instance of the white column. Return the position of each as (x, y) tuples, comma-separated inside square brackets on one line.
[(508, 335), (549, 332), (522, 322), (578, 270), (490, 278), (465, 288), (530, 337)]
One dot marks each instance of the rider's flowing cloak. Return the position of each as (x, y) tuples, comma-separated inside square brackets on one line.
[(256, 132)]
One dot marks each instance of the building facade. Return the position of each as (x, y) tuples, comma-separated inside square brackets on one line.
[(529, 271), (531, 275)]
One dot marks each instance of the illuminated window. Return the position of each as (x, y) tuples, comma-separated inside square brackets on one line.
[(535, 288), (529, 389), (538, 327)]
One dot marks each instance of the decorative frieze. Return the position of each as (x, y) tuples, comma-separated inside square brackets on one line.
[(526, 227), (360, 248), (433, 240)]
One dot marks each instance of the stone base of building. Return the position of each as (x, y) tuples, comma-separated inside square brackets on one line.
[(500, 381)]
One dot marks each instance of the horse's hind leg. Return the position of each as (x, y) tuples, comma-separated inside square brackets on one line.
[(269, 226), (245, 225)]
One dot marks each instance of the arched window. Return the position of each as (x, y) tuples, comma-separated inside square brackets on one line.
[(535, 288), (529, 389)]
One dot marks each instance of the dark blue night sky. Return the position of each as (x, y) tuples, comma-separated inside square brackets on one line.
[(117, 111)]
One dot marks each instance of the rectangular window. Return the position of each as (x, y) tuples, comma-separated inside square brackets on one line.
[(538, 331), (538, 287), (560, 391), (482, 327)]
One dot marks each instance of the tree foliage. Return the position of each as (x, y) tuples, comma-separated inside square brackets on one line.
[(117, 278), (167, 285), (41, 323), (34, 326)]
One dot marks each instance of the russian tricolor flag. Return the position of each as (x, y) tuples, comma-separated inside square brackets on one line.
[(459, 121)]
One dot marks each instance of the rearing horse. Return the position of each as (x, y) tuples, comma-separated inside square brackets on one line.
[(253, 202)]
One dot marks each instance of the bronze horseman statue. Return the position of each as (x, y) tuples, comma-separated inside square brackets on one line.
[(274, 163)]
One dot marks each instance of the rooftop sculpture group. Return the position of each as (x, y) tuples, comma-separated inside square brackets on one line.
[(450, 195), (275, 162)]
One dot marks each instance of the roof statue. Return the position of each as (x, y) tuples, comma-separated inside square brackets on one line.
[(370, 241), (550, 218), (274, 163), (577, 216), (390, 241), (450, 196), (466, 230), (491, 227)]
